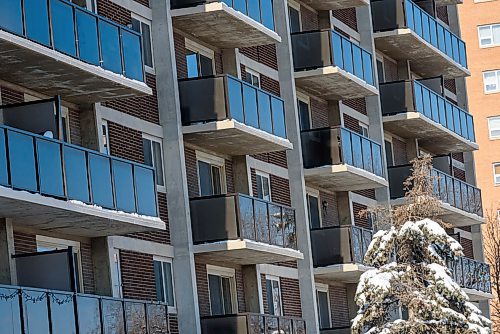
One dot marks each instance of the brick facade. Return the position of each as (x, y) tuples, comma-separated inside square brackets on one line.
[(330, 215), (137, 275), (339, 307), (347, 16)]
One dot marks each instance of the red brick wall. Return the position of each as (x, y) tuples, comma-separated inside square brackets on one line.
[(339, 306), (331, 217), (125, 142), (275, 158), (309, 19), (351, 123), (10, 96), (180, 55), (143, 2), (114, 12), (390, 70), (459, 174), (87, 268), (450, 85), (468, 247), (24, 243), (270, 85), (458, 157), (265, 54), (319, 113), (360, 221), (74, 127), (399, 149), (162, 237), (174, 324), (357, 104), (368, 193), (347, 16), (137, 274), (280, 190), (442, 14), (192, 172), (290, 296)]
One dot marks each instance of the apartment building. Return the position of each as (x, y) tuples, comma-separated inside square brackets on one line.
[(236, 144)]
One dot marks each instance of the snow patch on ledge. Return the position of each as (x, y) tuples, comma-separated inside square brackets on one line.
[(135, 215)]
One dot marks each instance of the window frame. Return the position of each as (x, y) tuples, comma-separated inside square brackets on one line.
[(490, 136), (491, 36), (201, 50), (228, 273), (324, 288), (306, 100), (497, 77), (295, 5), (105, 147), (276, 279), (314, 193), (160, 188), (162, 259), (143, 20), (261, 174), (213, 161), (254, 74), (496, 164), (364, 129)]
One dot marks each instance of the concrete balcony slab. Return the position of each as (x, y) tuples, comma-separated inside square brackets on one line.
[(336, 4), (343, 178)]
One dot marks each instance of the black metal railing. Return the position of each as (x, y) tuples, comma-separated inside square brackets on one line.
[(447, 188), (252, 323), (338, 145), (29, 310), (340, 245), (471, 274), (237, 216), (336, 330)]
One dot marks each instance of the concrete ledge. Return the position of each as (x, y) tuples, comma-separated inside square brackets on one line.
[(234, 138), (335, 4), (220, 25), (477, 296), (51, 214), (346, 273), (333, 83), (245, 252), (440, 3), (50, 72), (427, 60), (431, 135), (343, 178)]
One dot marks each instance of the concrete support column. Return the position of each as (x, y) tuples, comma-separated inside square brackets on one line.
[(230, 62), (404, 71), (89, 128), (253, 286), (411, 149), (7, 263), (241, 175), (345, 208), (175, 167), (295, 167), (102, 268), (334, 113), (324, 19)]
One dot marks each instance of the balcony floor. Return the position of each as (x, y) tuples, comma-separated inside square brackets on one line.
[(346, 273), (72, 218), (477, 296), (430, 134), (246, 252), (426, 60), (234, 138), (343, 178), (333, 83), (222, 26), (42, 69), (336, 4)]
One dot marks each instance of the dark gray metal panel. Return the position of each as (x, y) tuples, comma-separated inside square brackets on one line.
[(311, 50), (331, 246), (386, 16), (396, 97), (397, 176), (236, 324), (442, 163), (427, 5), (321, 147), (436, 84), (36, 117), (175, 4)]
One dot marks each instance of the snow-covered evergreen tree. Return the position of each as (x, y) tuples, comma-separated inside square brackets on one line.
[(409, 254)]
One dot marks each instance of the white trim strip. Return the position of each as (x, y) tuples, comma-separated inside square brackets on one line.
[(267, 168)]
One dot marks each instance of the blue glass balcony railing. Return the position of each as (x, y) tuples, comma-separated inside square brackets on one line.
[(427, 27), (76, 32), (64, 171), (216, 98), (316, 49)]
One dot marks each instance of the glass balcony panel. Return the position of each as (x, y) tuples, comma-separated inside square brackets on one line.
[(464, 190), (450, 186), (289, 228), (228, 2), (458, 194), (357, 245), (100, 181), (255, 324), (254, 10), (11, 17), (463, 124), (113, 321), (470, 129), (433, 31), (250, 105), (132, 57), (347, 150), (265, 117), (123, 180), (358, 61), (419, 100), (10, 311), (417, 16), (240, 5), (145, 191), (443, 191), (62, 314), (77, 185), (377, 160), (35, 311), (357, 152), (368, 68), (367, 155), (36, 16), (50, 171), (456, 120), (4, 173), (286, 326), (110, 47), (441, 38), (22, 161), (456, 52), (135, 315), (410, 21), (262, 222), (426, 97), (246, 216), (278, 110), (235, 96), (426, 34), (347, 55), (449, 116), (367, 239), (271, 325), (463, 54), (63, 27), (89, 315), (88, 45), (337, 50), (448, 43), (266, 7), (299, 326), (434, 108), (442, 112), (276, 225), (157, 318)]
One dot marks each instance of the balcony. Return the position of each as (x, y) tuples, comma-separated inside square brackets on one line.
[(227, 24), (338, 252), (27, 310), (332, 67), (404, 31), (412, 110), (226, 115), (336, 330), (243, 229), (55, 47), (460, 201), (249, 323), (51, 185), (473, 276), (336, 4), (341, 160)]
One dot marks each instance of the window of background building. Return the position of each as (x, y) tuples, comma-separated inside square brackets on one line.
[(494, 127), (105, 137), (144, 27), (496, 173), (489, 35), (491, 80)]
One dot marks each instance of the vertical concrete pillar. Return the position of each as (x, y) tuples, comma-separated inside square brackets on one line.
[(345, 208), (334, 113), (412, 149), (241, 175), (295, 167), (7, 263), (253, 286), (102, 268), (351, 293), (175, 167), (404, 71), (230, 62), (89, 128)]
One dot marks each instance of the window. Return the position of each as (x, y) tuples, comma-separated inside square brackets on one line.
[(211, 176), (494, 127), (153, 156), (274, 296), (323, 302), (164, 281), (140, 25), (491, 81), (496, 173), (222, 290), (252, 77), (263, 186), (389, 153), (313, 210), (294, 16), (498, 215), (489, 35), (363, 130), (105, 137), (380, 71), (64, 120), (304, 114)]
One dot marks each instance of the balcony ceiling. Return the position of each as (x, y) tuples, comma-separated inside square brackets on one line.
[(431, 135), (343, 178), (346, 273), (336, 4), (426, 60), (36, 67), (222, 26), (477, 296)]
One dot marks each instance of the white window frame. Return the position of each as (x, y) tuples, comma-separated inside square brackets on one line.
[(105, 148), (495, 164), (315, 193), (202, 50), (215, 161), (150, 69), (160, 141), (365, 129), (253, 73), (490, 26), (497, 77), (307, 100), (296, 5), (320, 287), (497, 118), (380, 58), (276, 279), (261, 174), (224, 272), (171, 309)]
